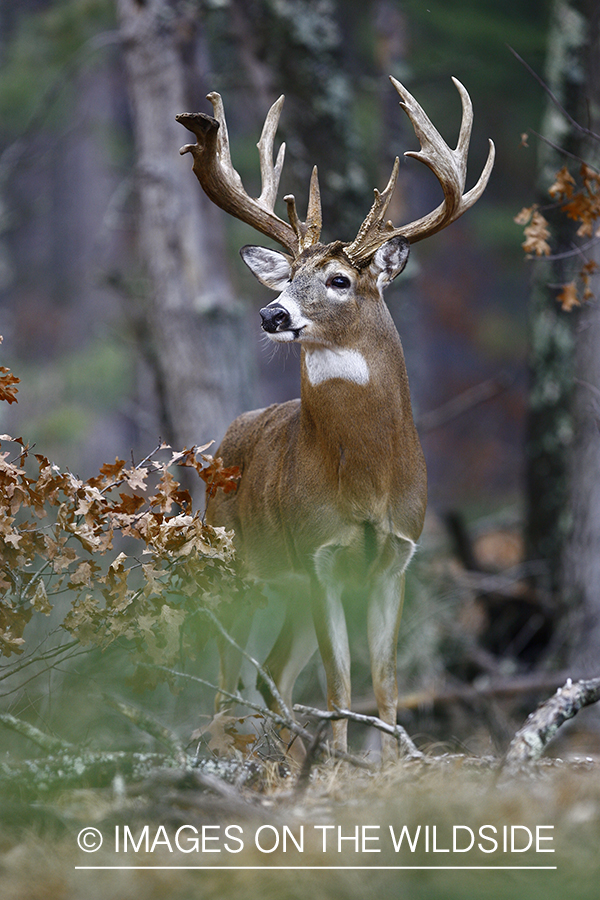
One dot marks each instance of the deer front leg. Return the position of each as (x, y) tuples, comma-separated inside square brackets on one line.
[(230, 659), (383, 623), (292, 650), (332, 637)]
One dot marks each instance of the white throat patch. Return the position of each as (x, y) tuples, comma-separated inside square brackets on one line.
[(323, 364)]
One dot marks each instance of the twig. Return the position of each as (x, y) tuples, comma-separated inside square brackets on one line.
[(575, 251), (562, 150), (11, 670), (54, 667), (463, 402), (578, 127), (290, 723), (286, 713), (308, 761), (541, 726), (145, 722), (396, 731), (45, 741), (508, 687)]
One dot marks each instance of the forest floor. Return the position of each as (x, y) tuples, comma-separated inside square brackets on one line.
[(440, 827)]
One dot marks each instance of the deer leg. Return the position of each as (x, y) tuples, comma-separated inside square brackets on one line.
[(230, 659), (385, 611), (292, 650), (332, 636)]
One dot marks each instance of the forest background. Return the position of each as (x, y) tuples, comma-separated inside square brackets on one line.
[(129, 317)]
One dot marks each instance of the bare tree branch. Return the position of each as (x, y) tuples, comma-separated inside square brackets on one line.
[(396, 731), (45, 741), (541, 726), (575, 124), (463, 402), (467, 693), (286, 713), (145, 722), (290, 723)]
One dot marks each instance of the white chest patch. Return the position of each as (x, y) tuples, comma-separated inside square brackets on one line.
[(323, 364)]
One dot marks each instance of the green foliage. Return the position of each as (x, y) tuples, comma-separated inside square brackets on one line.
[(64, 404)]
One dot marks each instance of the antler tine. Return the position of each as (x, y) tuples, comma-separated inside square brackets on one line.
[(223, 185), (223, 140), (270, 174), (308, 232), (450, 168)]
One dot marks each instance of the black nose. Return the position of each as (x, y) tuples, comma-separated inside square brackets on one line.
[(275, 318)]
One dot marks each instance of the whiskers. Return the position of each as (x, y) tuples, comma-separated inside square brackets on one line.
[(279, 348)]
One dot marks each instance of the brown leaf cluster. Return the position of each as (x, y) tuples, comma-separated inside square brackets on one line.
[(579, 200), (126, 546), (582, 206)]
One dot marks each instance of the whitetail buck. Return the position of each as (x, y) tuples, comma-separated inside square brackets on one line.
[(333, 485)]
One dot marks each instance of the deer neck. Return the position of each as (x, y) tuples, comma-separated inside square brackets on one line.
[(355, 403)]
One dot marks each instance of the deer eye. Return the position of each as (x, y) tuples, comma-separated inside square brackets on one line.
[(339, 281)]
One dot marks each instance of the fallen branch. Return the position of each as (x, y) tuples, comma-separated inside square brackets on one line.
[(45, 741), (147, 723), (541, 726), (38, 778), (312, 750), (397, 731), (467, 693)]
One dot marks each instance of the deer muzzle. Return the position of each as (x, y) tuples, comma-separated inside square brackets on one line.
[(275, 318)]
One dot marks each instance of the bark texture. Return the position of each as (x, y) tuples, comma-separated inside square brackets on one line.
[(193, 329), (552, 341), (581, 559)]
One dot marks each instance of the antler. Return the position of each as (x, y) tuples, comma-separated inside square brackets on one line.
[(223, 185), (450, 168)]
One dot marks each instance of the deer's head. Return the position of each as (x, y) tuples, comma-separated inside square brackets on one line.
[(324, 288)]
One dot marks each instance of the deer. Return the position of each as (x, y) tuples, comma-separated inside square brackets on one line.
[(333, 485)]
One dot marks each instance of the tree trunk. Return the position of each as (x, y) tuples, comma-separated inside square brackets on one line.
[(552, 331), (194, 331), (581, 560), (298, 49)]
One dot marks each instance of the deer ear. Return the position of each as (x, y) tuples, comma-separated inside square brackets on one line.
[(389, 260), (272, 268)]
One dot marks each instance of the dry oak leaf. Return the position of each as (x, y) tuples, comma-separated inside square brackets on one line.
[(166, 488), (110, 473), (568, 297), (563, 185), (536, 234), (216, 476), (136, 478), (523, 217), (7, 385), (40, 601), (83, 574), (224, 736), (10, 644)]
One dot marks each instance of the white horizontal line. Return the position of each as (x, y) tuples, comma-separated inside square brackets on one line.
[(328, 868)]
